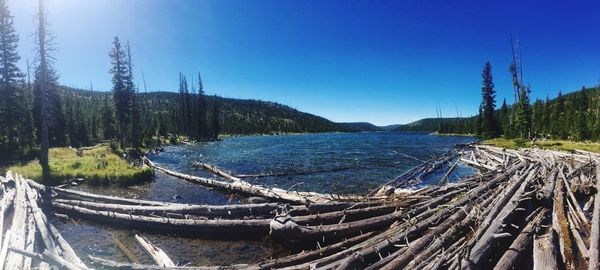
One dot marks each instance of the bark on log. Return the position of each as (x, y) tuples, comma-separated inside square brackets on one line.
[(595, 234), (315, 254), (130, 266), (520, 244), (158, 255), (247, 188), (561, 226), (483, 247), (224, 211), (18, 229), (544, 252), (47, 257), (454, 223), (225, 226)]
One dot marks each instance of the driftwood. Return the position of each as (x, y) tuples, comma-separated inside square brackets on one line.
[(257, 190), (224, 226), (45, 256), (507, 216), (158, 255), (544, 252), (518, 246), (130, 266), (595, 233)]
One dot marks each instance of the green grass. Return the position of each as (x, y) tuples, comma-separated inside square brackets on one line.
[(548, 144), (98, 166)]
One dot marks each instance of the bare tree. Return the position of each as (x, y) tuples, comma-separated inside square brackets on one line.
[(43, 95)]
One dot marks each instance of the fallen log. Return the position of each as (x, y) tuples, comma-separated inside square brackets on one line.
[(217, 171), (456, 222), (130, 266), (482, 249), (158, 255), (96, 197), (18, 229), (284, 226), (544, 252), (225, 211), (225, 226), (47, 257), (256, 190), (561, 225), (595, 232), (315, 254), (518, 246)]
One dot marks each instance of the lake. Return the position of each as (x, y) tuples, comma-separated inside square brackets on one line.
[(348, 163)]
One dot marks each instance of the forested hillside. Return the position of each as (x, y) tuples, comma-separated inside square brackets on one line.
[(236, 116), (450, 125), (574, 116)]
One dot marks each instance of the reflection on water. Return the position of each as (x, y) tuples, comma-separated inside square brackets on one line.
[(340, 163)]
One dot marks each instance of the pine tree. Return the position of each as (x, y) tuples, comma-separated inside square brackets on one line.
[(201, 111), (15, 117), (136, 132), (505, 119), (489, 124), (181, 114), (108, 121), (120, 89), (55, 114), (216, 127)]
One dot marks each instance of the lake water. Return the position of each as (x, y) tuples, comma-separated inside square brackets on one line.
[(332, 163)]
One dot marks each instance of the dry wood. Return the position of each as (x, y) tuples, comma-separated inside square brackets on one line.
[(116, 265), (18, 228), (483, 247), (315, 254), (458, 221), (121, 246), (247, 188), (561, 226), (518, 246), (226, 211), (45, 256), (217, 171), (595, 233), (158, 255), (225, 226), (544, 252)]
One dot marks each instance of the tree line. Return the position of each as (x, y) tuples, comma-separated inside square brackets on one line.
[(41, 114), (575, 116), (32, 101)]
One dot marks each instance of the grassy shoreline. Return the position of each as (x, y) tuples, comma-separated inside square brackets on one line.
[(97, 165), (560, 145)]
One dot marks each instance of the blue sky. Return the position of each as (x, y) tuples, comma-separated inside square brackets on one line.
[(383, 62)]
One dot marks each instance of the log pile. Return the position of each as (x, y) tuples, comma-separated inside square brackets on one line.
[(30, 241), (525, 209)]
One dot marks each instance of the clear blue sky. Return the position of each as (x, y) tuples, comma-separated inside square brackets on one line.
[(379, 61)]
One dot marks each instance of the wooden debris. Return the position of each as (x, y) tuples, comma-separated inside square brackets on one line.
[(158, 255)]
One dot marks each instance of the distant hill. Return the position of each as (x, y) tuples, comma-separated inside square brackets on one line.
[(390, 127), (237, 116), (360, 126), (427, 124)]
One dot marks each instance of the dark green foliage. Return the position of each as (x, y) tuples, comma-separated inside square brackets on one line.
[(121, 89), (487, 118), (215, 125), (57, 123), (201, 112), (575, 116), (16, 133)]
